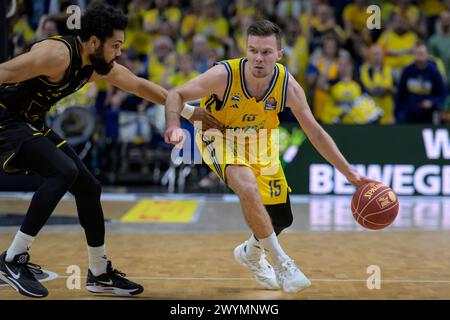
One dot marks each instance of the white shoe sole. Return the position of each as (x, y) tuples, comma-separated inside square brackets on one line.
[(116, 291), (305, 283)]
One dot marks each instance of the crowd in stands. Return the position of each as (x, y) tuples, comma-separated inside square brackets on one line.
[(398, 71), (352, 74)]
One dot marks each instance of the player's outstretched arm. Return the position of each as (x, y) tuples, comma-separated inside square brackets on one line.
[(124, 79), (211, 82), (50, 59), (296, 100)]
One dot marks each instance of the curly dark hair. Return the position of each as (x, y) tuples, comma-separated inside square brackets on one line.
[(101, 20)]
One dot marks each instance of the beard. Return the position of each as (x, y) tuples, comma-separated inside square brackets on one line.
[(259, 73), (100, 65)]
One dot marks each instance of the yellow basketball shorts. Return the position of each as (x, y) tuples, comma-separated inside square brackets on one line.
[(270, 178)]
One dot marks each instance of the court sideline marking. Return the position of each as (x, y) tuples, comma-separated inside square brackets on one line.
[(432, 281)]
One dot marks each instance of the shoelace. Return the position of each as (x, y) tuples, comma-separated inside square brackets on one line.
[(36, 269), (31, 268), (259, 263), (263, 261), (117, 273), (289, 266)]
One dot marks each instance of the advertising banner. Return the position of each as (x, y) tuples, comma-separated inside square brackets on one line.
[(412, 159)]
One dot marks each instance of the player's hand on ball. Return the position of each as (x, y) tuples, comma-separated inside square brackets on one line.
[(357, 180), (205, 119), (174, 135)]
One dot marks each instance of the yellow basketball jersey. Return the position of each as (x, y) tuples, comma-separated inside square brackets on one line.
[(239, 110), (243, 116)]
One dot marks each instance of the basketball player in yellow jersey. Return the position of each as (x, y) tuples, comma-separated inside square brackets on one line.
[(246, 95)]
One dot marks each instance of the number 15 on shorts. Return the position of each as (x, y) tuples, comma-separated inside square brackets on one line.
[(275, 188)]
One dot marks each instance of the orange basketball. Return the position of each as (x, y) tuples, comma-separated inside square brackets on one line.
[(374, 205)]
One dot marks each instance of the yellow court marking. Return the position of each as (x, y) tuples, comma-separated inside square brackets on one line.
[(162, 211)]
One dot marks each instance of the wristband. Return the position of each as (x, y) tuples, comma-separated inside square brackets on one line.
[(187, 111)]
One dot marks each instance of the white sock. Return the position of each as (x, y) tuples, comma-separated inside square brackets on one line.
[(253, 248), (97, 260), (274, 249), (21, 243)]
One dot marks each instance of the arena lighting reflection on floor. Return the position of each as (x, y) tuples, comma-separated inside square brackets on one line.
[(421, 213)]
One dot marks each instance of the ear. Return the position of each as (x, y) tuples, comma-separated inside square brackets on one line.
[(94, 42), (280, 54)]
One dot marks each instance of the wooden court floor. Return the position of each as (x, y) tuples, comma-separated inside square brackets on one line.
[(199, 266)]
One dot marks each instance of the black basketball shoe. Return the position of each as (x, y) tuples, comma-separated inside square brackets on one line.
[(19, 274), (113, 281)]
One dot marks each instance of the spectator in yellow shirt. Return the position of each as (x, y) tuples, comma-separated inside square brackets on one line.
[(412, 13), (310, 14), (137, 38), (214, 27), (22, 33), (376, 77), (184, 73), (398, 42), (242, 9), (431, 9), (288, 9), (296, 51), (323, 68), (161, 60), (164, 12), (342, 93), (355, 17), (324, 22), (190, 20), (346, 103)]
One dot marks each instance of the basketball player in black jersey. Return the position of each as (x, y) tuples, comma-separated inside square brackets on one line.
[(29, 85)]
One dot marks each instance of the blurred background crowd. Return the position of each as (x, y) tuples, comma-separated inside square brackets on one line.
[(395, 74)]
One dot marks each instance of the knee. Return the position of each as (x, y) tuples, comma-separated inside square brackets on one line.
[(247, 190), (93, 188), (243, 182), (69, 173), (96, 187)]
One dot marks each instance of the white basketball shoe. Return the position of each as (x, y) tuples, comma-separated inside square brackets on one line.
[(289, 276), (263, 272)]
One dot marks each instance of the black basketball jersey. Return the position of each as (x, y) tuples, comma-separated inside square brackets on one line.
[(33, 98)]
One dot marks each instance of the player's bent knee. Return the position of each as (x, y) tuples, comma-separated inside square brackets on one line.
[(69, 173), (91, 188), (247, 190), (95, 187)]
